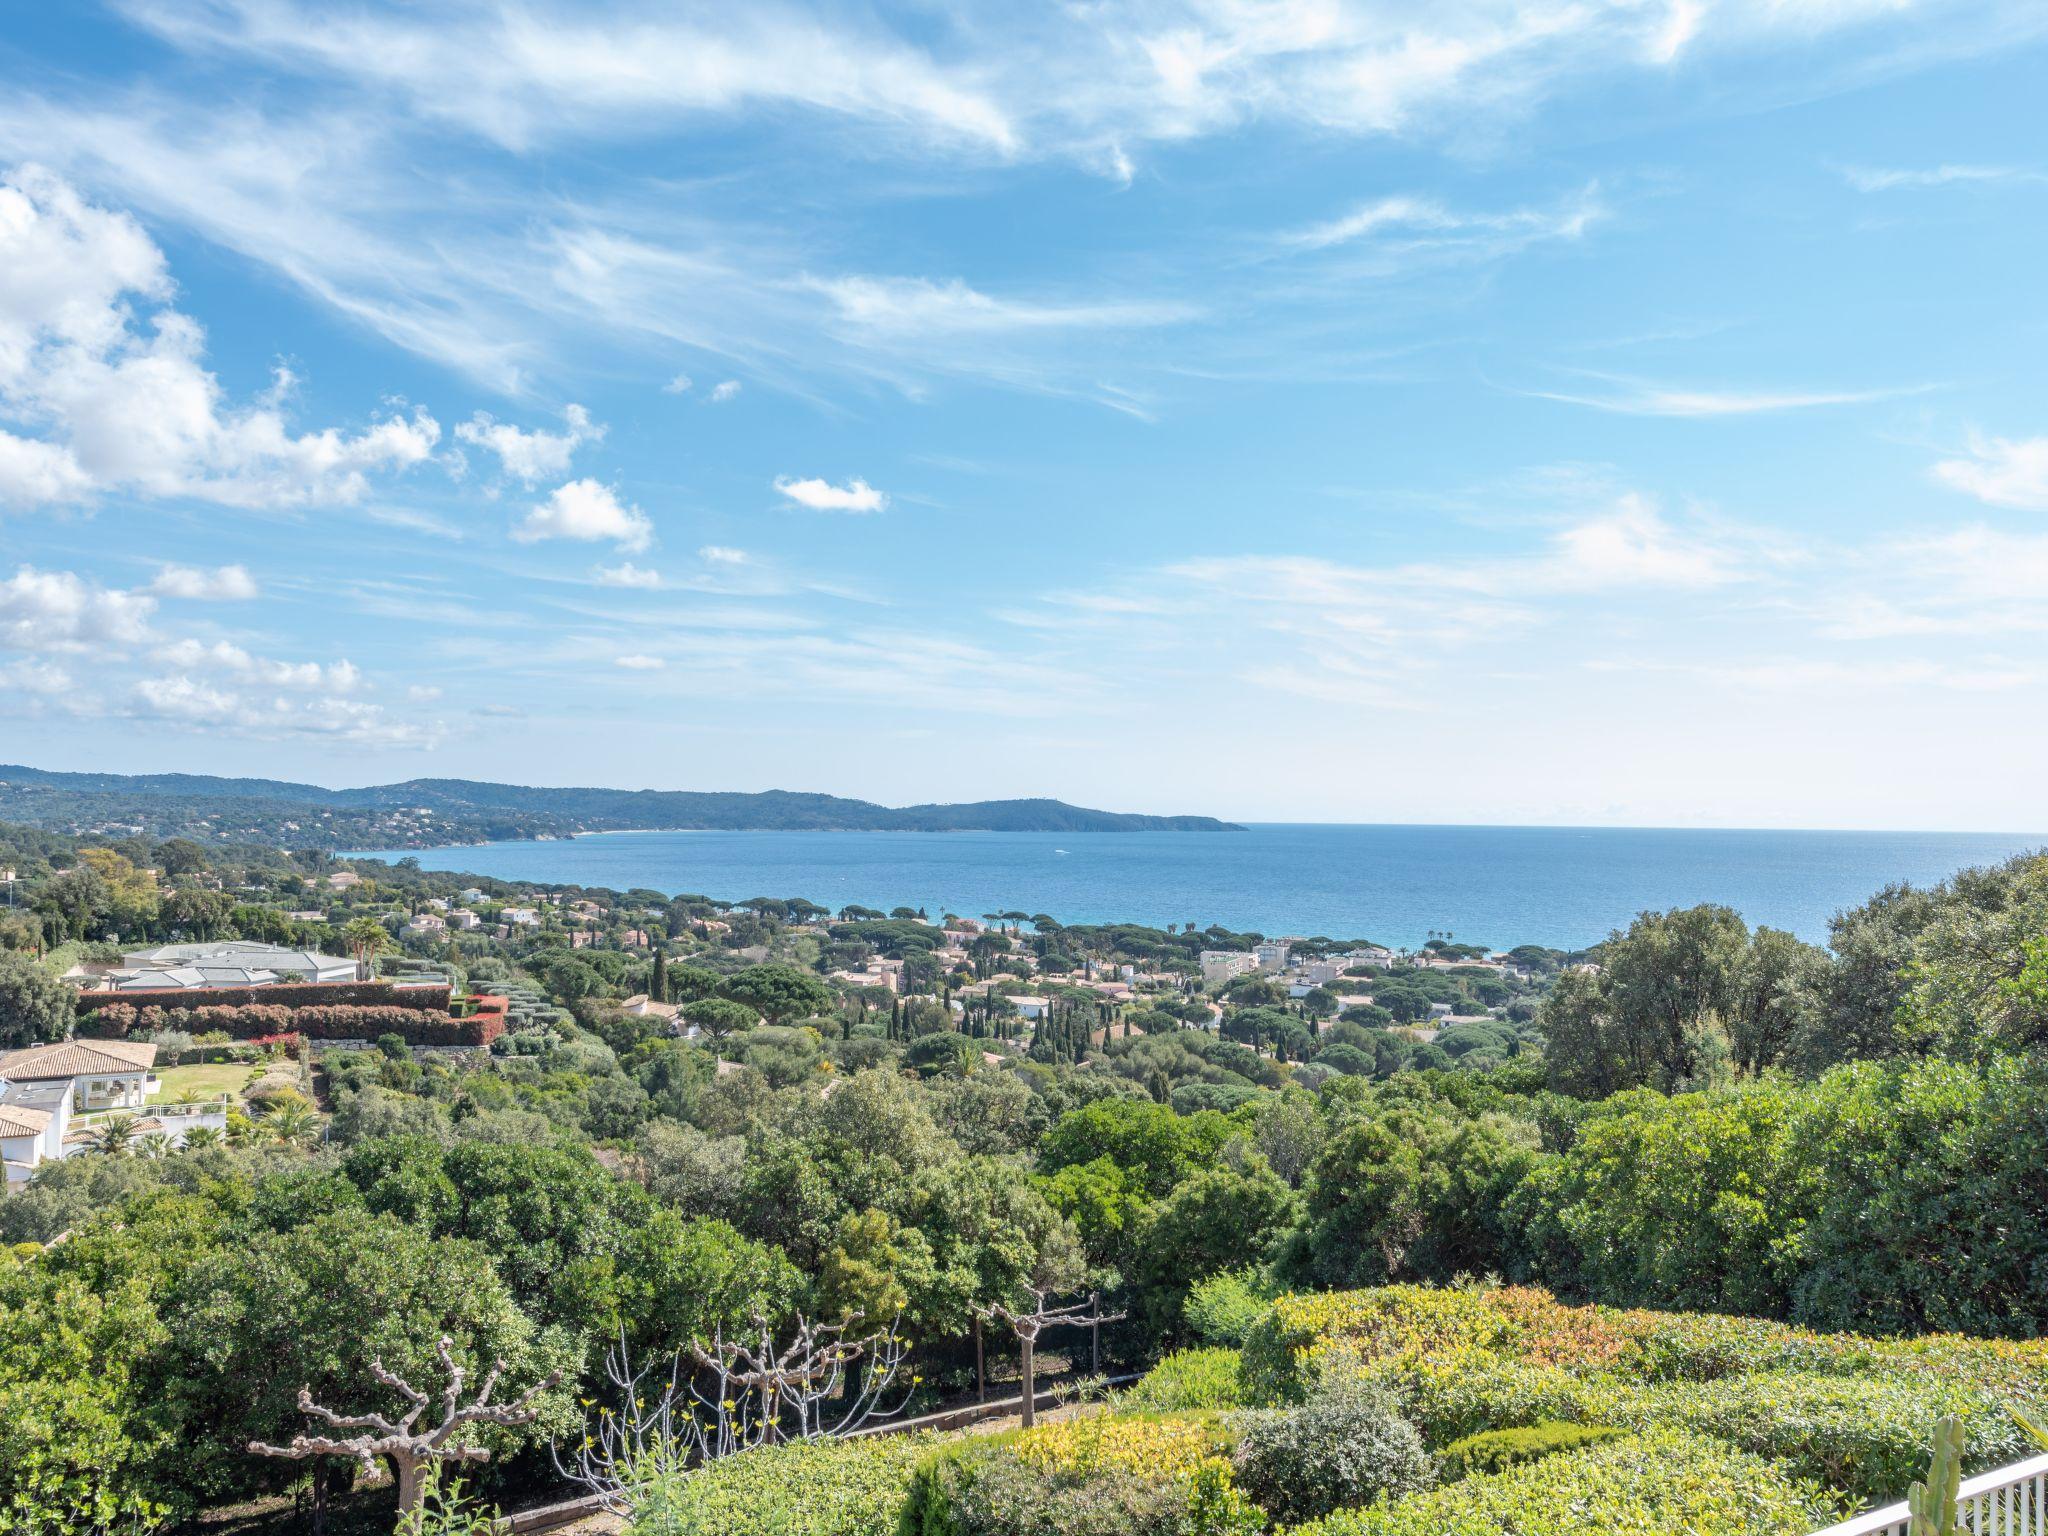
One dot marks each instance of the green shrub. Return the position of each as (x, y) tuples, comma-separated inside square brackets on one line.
[(1865, 1435), (1344, 1446), (1190, 1381), (987, 1490), (1495, 1450), (1222, 1308), (1460, 1395), (1101, 1474), (818, 1488), (1641, 1485)]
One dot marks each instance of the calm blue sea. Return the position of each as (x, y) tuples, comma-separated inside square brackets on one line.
[(1396, 885)]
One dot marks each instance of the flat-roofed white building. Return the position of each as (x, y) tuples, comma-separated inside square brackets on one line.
[(225, 963), (1221, 965)]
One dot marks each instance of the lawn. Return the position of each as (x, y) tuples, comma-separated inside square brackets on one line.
[(210, 1081)]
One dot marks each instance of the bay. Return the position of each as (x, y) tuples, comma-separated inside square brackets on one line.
[(1396, 885)]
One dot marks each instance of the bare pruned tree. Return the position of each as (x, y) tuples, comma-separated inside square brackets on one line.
[(412, 1449), (1027, 1326), (733, 1395)]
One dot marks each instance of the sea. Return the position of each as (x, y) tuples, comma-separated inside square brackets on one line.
[(1565, 887)]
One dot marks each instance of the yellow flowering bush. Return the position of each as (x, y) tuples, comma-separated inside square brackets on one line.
[(1156, 1445)]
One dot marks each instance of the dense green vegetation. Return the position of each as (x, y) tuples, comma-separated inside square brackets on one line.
[(1691, 1116)]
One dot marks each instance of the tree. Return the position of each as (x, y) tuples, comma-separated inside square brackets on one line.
[(411, 1450), (873, 1267), (1027, 1326), (1221, 1219), (366, 939), (779, 992), (199, 913), (720, 1016), (35, 1006)]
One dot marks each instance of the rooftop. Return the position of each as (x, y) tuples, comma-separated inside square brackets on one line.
[(77, 1058)]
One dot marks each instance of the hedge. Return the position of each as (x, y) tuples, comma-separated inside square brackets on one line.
[(425, 999), (1105, 1474), (1645, 1485), (1495, 1450), (1851, 1412), (813, 1488), (320, 1022)]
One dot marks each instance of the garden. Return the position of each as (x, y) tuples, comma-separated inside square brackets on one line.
[(1412, 1411)]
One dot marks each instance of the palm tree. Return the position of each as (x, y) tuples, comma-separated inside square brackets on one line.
[(114, 1136), (200, 1137), (366, 939), (292, 1123), (156, 1144)]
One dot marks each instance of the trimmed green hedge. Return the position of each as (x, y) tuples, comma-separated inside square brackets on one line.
[(1644, 1485), (820, 1488), (1495, 1450)]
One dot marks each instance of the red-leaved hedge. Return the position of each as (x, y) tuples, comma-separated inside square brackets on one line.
[(375, 994), (318, 1022)]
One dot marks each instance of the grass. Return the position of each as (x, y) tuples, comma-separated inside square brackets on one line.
[(209, 1081)]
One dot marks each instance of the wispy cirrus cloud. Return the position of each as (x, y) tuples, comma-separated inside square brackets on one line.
[(1875, 179), (1627, 396), (1426, 222)]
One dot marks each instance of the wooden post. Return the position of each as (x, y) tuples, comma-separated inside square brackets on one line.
[(980, 1374)]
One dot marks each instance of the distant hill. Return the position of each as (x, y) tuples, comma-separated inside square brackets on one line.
[(426, 813)]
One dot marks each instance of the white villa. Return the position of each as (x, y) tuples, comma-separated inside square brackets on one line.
[(224, 963), (48, 1091)]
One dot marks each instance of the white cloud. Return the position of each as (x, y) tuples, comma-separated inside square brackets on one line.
[(1870, 179), (728, 389), (1091, 82), (117, 406), (589, 511), (1637, 397), (2006, 472), (721, 554), (823, 496), (341, 677), (679, 385), (532, 456), (183, 702), (43, 679), (626, 574), (919, 306), (638, 663), (223, 584), (520, 74), (60, 611), (1633, 546), (422, 693), (1427, 222)]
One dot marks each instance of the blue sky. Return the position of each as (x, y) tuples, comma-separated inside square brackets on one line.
[(1606, 411)]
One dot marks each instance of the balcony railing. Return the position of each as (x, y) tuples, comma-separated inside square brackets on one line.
[(2010, 1501)]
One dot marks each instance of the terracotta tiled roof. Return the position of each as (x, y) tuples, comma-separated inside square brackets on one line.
[(18, 1120), (77, 1058)]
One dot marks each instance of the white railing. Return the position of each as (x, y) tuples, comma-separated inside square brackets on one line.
[(2009, 1501)]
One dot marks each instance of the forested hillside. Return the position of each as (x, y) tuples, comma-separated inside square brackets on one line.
[(423, 813)]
